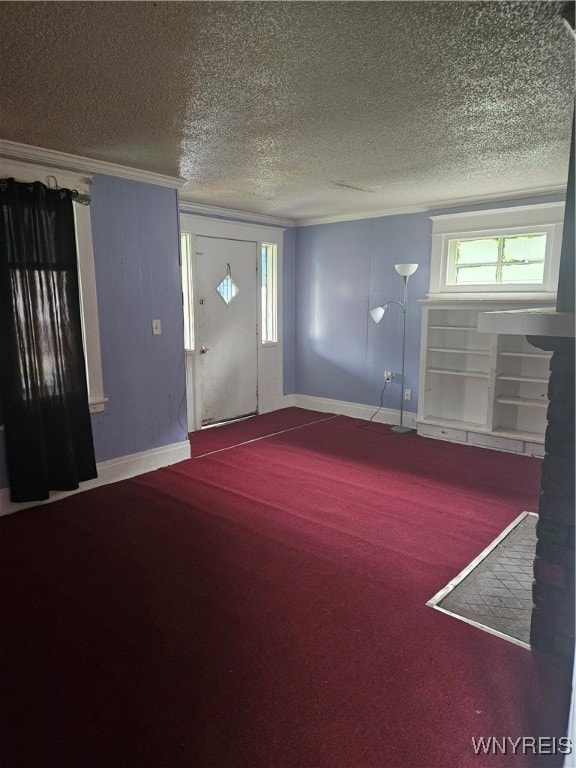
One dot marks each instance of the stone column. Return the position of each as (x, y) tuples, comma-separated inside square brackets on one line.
[(552, 627)]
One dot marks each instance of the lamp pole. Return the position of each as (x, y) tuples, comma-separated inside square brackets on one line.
[(404, 270), (401, 429)]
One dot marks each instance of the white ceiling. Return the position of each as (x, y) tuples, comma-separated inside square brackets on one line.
[(299, 109)]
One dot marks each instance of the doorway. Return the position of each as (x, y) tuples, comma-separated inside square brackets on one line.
[(226, 323), (232, 301)]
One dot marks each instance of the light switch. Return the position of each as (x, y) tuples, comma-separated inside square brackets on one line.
[(156, 327)]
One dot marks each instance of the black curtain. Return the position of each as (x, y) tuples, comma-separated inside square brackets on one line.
[(42, 369)]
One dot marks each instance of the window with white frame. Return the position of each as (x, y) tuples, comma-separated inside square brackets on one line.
[(269, 289), (30, 172), (497, 260), (508, 250)]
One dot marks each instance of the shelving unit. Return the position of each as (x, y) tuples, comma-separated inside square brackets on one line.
[(480, 388)]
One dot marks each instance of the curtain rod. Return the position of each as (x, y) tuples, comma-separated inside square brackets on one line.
[(77, 197)]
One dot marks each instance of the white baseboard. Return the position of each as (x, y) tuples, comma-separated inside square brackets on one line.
[(345, 408), (111, 471)]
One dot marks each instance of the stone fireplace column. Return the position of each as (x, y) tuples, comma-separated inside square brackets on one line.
[(552, 626)]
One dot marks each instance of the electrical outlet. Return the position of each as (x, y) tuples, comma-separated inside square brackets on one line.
[(156, 327), (407, 394), (387, 375)]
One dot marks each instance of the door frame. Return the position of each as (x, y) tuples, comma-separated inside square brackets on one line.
[(269, 372)]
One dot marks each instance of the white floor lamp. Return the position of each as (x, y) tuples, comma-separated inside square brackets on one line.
[(404, 270)]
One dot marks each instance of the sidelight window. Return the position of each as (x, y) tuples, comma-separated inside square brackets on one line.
[(269, 283), (187, 304)]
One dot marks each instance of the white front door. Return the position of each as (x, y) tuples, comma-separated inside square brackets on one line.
[(226, 318)]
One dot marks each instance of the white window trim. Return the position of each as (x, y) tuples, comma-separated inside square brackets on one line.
[(29, 172), (89, 308), (546, 217)]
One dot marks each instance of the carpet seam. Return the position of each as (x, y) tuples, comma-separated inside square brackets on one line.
[(263, 437)]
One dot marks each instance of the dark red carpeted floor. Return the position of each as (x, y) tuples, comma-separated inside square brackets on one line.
[(264, 607)]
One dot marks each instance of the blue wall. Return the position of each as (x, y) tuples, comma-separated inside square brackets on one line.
[(344, 269), (136, 254)]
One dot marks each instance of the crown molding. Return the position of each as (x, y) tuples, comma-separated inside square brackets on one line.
[(424, 208), (187, 206), (52, 158)]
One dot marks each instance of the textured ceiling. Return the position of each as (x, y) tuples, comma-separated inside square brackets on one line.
[(298, 109)]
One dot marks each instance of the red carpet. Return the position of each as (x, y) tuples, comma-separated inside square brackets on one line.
[(264, 607), (217, 438)]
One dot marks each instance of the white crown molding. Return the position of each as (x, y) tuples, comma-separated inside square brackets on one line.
[(424, 208), (54, 159), (187, 206), (558, 205)]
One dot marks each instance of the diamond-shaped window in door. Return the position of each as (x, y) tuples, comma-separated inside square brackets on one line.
[(227, 289)]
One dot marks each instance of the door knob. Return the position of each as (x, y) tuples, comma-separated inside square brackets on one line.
[(203, 350)]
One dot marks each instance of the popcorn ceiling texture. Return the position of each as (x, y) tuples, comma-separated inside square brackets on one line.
[(298, 108)]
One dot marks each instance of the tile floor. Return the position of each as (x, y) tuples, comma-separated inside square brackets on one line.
[(498, 592)]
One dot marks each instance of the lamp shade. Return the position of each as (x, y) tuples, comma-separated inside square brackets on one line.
[(405, 270), (377, 313)]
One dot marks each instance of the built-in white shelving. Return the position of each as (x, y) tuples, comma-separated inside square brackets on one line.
[(486, 389)]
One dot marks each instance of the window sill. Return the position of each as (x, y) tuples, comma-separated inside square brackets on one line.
[(97, 406)]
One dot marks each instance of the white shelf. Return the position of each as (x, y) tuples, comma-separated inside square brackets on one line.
[(452, 350), (503, 406), (519, 377), (441, 421), (528, 402), (545, 321), (453, 372), (543, 355)]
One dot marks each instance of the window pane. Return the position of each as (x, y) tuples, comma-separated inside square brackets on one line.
[(483, 251), (479, 275), (227, 289), (525, 248), (268, 289), (532, 272), (187, 293)]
